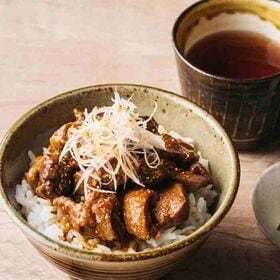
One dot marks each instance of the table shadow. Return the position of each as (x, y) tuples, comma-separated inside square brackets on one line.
[(228, 260)]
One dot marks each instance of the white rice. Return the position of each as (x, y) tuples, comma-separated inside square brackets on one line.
[(43, 216)]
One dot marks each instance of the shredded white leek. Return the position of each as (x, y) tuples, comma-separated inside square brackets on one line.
[(112, 139)]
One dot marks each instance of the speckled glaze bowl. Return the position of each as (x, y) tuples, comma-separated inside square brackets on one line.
[(248, 109), (31, 132)]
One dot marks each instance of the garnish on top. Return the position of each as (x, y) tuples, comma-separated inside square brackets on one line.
[(112, 139)]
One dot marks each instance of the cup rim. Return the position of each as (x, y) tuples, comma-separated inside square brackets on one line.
[(198, 70), (199, 234)]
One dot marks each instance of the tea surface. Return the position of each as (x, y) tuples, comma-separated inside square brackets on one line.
[(236, 54)]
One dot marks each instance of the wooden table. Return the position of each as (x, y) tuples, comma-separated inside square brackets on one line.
[(48, 47)]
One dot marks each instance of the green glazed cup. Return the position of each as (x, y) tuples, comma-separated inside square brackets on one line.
[(248, 109)]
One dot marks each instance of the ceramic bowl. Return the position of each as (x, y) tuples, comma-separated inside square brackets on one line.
[(32, 131), (247, 108), (266, 203)]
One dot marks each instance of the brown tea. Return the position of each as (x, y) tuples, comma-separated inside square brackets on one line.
[(236, 54)]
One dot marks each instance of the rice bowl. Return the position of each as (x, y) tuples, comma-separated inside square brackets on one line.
[(35, 127), (42, 213)]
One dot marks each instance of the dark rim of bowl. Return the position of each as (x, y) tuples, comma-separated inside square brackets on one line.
[(199, 71), (84, 254)]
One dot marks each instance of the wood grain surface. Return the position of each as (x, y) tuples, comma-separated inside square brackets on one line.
[(48, 47)]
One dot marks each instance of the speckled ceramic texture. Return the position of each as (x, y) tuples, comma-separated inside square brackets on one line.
[(248, 109), (266, 203), (31, 132)]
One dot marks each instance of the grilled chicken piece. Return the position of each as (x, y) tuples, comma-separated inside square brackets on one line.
[(48, 176), (172, 208), (192, 181), (98, 216), (60, 136), (178, 150), (197, 176), (152, 125), (106, 179), (55, 177), (152, 176), (107, 209), (58, 139), (77, 215), (76, 178), (103, 175), (137, 206), (198, 168)]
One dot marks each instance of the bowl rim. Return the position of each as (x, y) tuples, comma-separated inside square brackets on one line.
[(203, 231), (181, 56), (276, 165)]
